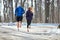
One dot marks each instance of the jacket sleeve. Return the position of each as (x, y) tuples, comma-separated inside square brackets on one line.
[(15, 11), (27, 14), (23, 11), (32, 14)]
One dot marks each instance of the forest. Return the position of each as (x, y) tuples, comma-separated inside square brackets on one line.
[(45, 11)]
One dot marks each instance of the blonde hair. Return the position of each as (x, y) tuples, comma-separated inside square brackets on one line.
[(30, 8)]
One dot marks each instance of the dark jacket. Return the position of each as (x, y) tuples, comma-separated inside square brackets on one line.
[(19, 11), (29, 15)]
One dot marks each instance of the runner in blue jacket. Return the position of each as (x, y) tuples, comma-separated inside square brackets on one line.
[(19, 11)]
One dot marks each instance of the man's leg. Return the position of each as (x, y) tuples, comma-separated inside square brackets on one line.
[(20, 23)]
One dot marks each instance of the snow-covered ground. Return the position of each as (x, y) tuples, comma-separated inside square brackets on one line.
[(33, 24), (48, 27), (42, 31)]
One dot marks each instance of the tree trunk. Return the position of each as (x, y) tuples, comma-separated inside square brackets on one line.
[(35, 13), (58, 4), (31, 3), (0, 17), (22, 3), (52, 11), (40, 14), (47, 2)]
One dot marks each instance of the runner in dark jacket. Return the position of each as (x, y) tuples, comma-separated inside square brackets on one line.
[(29, 16)]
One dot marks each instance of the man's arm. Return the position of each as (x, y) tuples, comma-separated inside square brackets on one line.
[(15, 11), (23, 11)]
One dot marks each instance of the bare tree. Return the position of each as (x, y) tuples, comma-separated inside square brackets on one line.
[(0, 17), (58, 4), (35, 19), (47, 3), (52, 11), (5, 10), (59, 11), (22, 2), (40, 14), (31, 3), (0, 11)]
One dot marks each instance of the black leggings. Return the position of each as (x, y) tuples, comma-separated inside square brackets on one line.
[(28, 23)]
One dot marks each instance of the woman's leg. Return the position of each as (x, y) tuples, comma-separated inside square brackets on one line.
[(28, 23)]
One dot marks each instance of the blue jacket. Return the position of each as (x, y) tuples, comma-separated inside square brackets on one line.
[(29, 15), (19, 11)]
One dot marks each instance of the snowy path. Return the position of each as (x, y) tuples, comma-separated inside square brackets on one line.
[(36, 33)]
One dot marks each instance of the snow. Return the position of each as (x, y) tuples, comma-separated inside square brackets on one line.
[(33, 24), (42, 27), (38, 31)]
